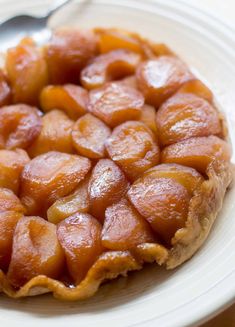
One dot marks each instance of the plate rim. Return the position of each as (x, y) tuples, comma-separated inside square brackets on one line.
[(228, 297)]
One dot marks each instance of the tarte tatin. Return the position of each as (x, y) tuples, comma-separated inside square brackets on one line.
[(112, 154)]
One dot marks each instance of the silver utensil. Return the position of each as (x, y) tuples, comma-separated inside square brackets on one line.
[(13, 29)]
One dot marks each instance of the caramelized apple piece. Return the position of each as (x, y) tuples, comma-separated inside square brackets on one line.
[(111, 39), (9, 201), (89, 135), (186, 176), (71, 99), (159, 49), (11, 211), (163, 202), (8, 221), (124, 228), (129, 81), (80, 237), (68, 52), (148, 117), (197, 152), (19, 126), (27, 71), (55, 134), (36, 251), (107, 186), (184, 116), (134, 148), (108, 67), (49, 177), (11, 166), (198, 88), (116, 103), (78, 201), (5, 90), (158, 79)]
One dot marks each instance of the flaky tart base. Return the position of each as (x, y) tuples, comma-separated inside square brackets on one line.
[(203, 209)]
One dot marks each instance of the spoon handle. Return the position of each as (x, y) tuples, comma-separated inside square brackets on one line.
[(57, 5)]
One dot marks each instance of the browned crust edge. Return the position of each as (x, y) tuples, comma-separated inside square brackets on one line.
[(203, 209)]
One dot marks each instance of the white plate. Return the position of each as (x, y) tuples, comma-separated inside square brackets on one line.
[(205, 284)]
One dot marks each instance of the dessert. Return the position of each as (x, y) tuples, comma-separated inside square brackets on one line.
[(112, 155)]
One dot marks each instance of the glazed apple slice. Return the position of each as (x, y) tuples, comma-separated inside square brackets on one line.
[(64, 207), (55, 134), (11, 166), (5, 90), (89, 135), (107, 185), (27, 71), (111, 39), (35, 251), (124, 228), (197, 152), (80, 237), (186, 115), (49, 177), (9, 201), (68, 52), (69, 98), (115, 103), (160, 78), (8, 221), (11, 210), (186, 176), (163, 202), (108, 67), (133, 146), (198, 88), (20, 125), (148, 117)]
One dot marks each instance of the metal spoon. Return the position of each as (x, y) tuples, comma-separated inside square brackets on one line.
[(13, 29)]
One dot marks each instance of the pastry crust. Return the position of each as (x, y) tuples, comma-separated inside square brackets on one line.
[(204, 207), (203, 210)]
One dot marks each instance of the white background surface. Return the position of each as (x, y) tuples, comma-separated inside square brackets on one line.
[(222, 9)]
